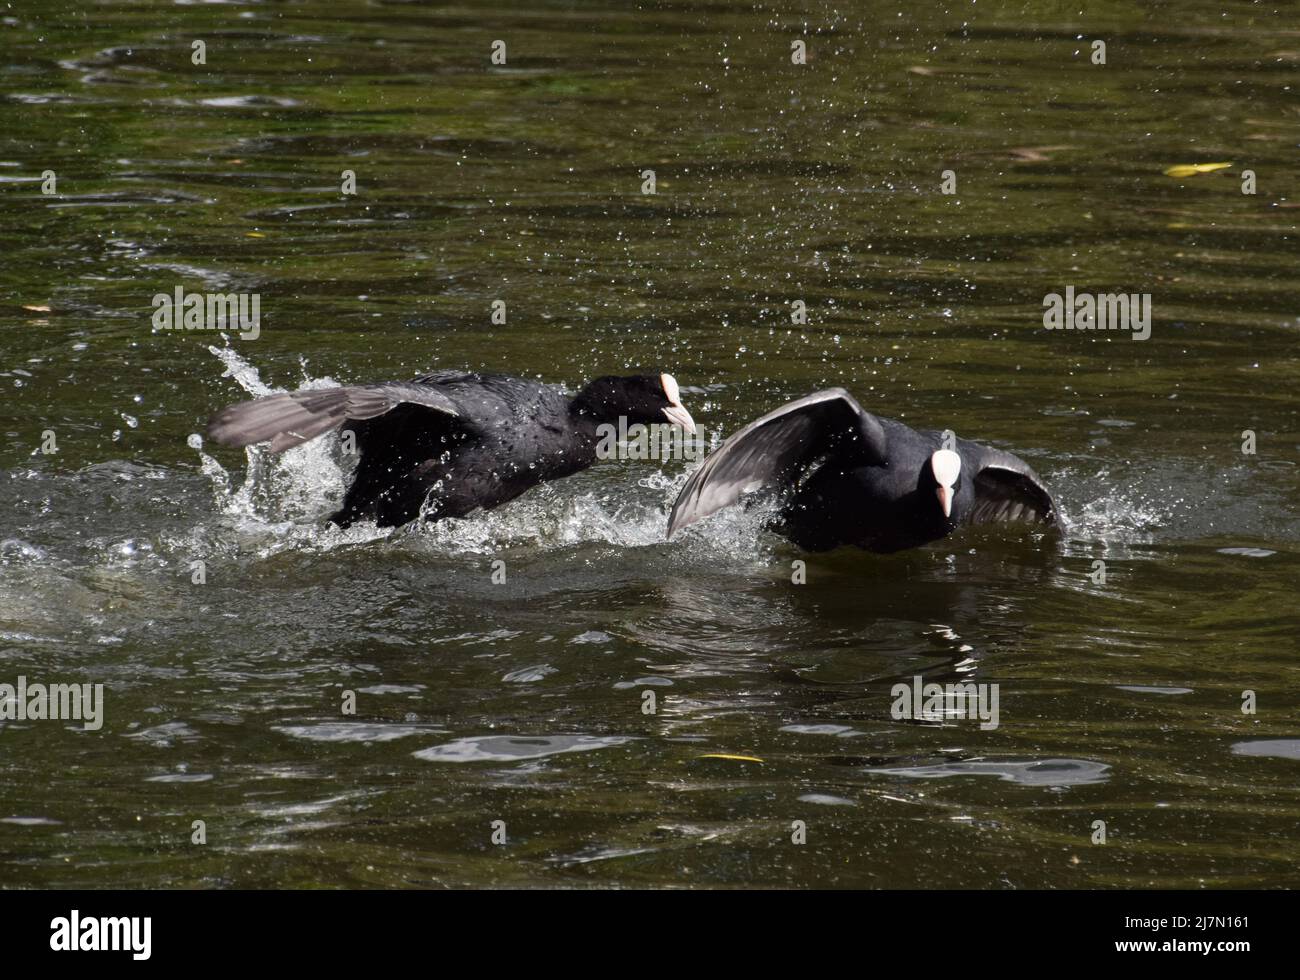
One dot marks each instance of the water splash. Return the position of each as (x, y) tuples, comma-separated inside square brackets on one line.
[(284, 500), (300, 485), (1108, 516)]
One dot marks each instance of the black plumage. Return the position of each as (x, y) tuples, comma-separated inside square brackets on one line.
[(454, 441), (848, 477)]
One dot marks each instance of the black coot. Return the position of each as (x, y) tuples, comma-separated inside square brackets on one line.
[(852, 478), (460, 441)]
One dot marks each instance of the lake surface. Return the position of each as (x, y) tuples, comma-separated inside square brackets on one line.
[(526, 702)]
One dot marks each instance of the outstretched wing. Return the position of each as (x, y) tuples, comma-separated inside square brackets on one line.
[(774, 448), (291, 419), (1006, 489)]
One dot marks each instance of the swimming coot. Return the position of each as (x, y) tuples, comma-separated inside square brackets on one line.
[(849, 477), (461, 441)]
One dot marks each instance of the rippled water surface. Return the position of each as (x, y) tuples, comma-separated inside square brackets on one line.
[(528, 702)]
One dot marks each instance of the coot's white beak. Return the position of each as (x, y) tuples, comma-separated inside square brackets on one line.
[(678, 415), (946, 467), (676, 411), (945, 500)]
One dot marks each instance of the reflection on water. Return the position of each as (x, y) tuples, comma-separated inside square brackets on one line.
[(351, 732), (640, 712), (1281, 748), (506, 748), (1040, 772)]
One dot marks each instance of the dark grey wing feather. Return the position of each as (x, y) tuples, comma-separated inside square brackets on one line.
[(291, 419), (1006, 489), (773, 448), (447, 375)]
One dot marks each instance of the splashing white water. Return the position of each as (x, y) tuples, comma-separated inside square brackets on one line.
[(286, 498), (302, 484), (1114, 515)]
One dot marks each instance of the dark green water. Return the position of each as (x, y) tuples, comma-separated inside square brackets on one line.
[(522, 702)]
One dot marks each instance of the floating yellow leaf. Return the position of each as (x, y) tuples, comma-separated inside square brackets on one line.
[(37, 309), (735, 758), (1191, 169), (253, 234)]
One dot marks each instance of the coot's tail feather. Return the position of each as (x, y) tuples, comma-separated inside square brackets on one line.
[(291, 419)]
